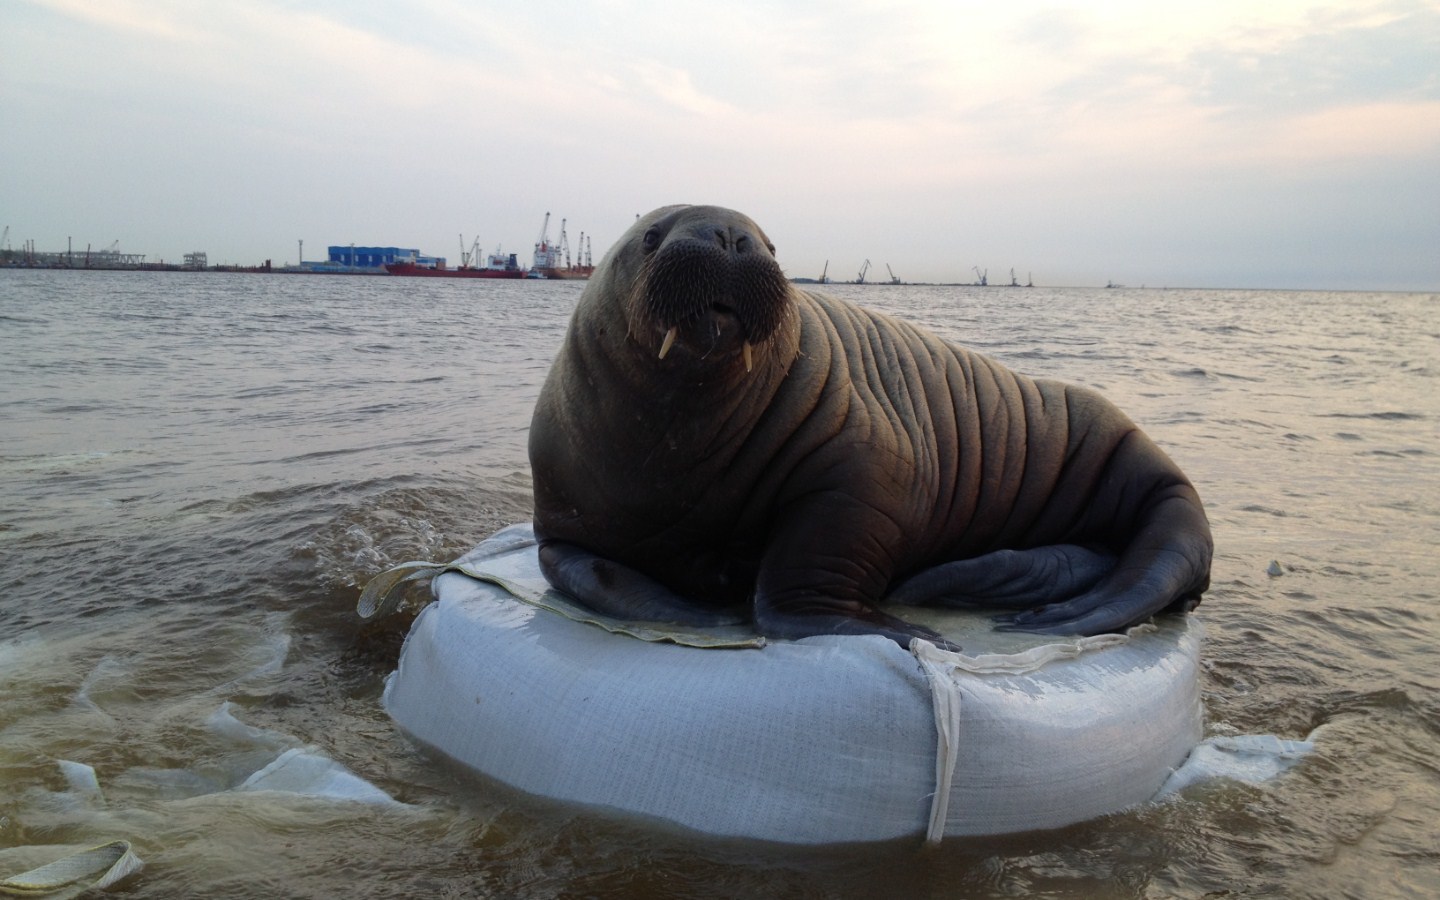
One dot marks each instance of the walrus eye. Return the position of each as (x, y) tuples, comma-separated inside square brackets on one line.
[(771, 247), (652, 239)]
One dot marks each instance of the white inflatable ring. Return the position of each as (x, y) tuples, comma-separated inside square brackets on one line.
[(828, 739)]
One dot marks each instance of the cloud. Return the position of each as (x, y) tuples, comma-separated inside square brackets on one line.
[(1383, 57), (130, 16), (942, 126)]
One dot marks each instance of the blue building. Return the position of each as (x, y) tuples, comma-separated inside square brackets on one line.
[(378, 257)]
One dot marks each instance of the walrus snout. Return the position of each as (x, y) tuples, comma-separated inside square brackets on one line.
[(712, 286)]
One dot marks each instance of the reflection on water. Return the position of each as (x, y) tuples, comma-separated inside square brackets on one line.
[(197, 471)]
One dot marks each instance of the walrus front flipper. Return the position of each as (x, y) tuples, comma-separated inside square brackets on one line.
[(618, 591), (811, 585), (1008, 579)]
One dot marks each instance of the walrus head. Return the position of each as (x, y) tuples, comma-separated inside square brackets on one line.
[(703, 279)]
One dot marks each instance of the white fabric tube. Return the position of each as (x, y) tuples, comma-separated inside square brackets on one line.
[(827, 739)]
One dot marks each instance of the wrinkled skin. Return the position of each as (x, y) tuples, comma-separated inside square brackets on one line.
[(842, 457)]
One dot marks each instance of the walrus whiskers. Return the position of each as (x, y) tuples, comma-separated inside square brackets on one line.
[(669, 340)]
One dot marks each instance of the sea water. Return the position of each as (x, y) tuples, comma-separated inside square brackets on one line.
[(199, 471)]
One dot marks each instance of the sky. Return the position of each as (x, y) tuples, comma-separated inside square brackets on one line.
[(1283, 144)]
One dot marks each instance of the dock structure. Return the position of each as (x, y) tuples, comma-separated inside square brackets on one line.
[(109, 258)]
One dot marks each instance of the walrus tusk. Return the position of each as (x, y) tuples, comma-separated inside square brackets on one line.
[(669, 340), (749, 360)]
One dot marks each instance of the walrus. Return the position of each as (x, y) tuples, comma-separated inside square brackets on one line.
[(714, 443)]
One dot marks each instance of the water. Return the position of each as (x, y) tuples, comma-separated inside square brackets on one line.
[(198, 471)]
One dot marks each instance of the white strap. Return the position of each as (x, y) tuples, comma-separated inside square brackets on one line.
[(945, 697), (942, 669)]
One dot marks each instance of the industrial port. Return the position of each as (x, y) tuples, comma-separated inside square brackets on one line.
[(552, 259)]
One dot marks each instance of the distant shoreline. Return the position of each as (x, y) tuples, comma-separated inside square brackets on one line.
[(802, 282)]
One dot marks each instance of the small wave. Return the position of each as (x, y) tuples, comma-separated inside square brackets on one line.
[(270, 390), (376, 409), (313, 493), (57, 464), (368, 448), (141, 317), (1267, 510), (1246, 424), (401, 523), (1386, 698), (1228, 329), (1384, 416), (1208, 375)]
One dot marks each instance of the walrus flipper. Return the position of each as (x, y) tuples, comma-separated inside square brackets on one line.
[(618, 591), (808, 585), (1008, 579), (1166, 568)]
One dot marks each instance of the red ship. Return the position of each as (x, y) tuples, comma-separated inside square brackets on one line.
[(496, 266)]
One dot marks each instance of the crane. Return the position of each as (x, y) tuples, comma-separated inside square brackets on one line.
[(980, 278), (546, 255), (564, 243), (863, 269), (469, 256), (894, 279), (824, 278)]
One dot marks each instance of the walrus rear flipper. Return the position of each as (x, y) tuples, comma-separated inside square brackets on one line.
[(1008, 579), (1167, 567), (618, 591)]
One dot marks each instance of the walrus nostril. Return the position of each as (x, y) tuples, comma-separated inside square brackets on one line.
[(742, 244)]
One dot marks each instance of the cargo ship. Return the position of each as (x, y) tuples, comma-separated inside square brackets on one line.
[(550, 256), (497, 265)]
